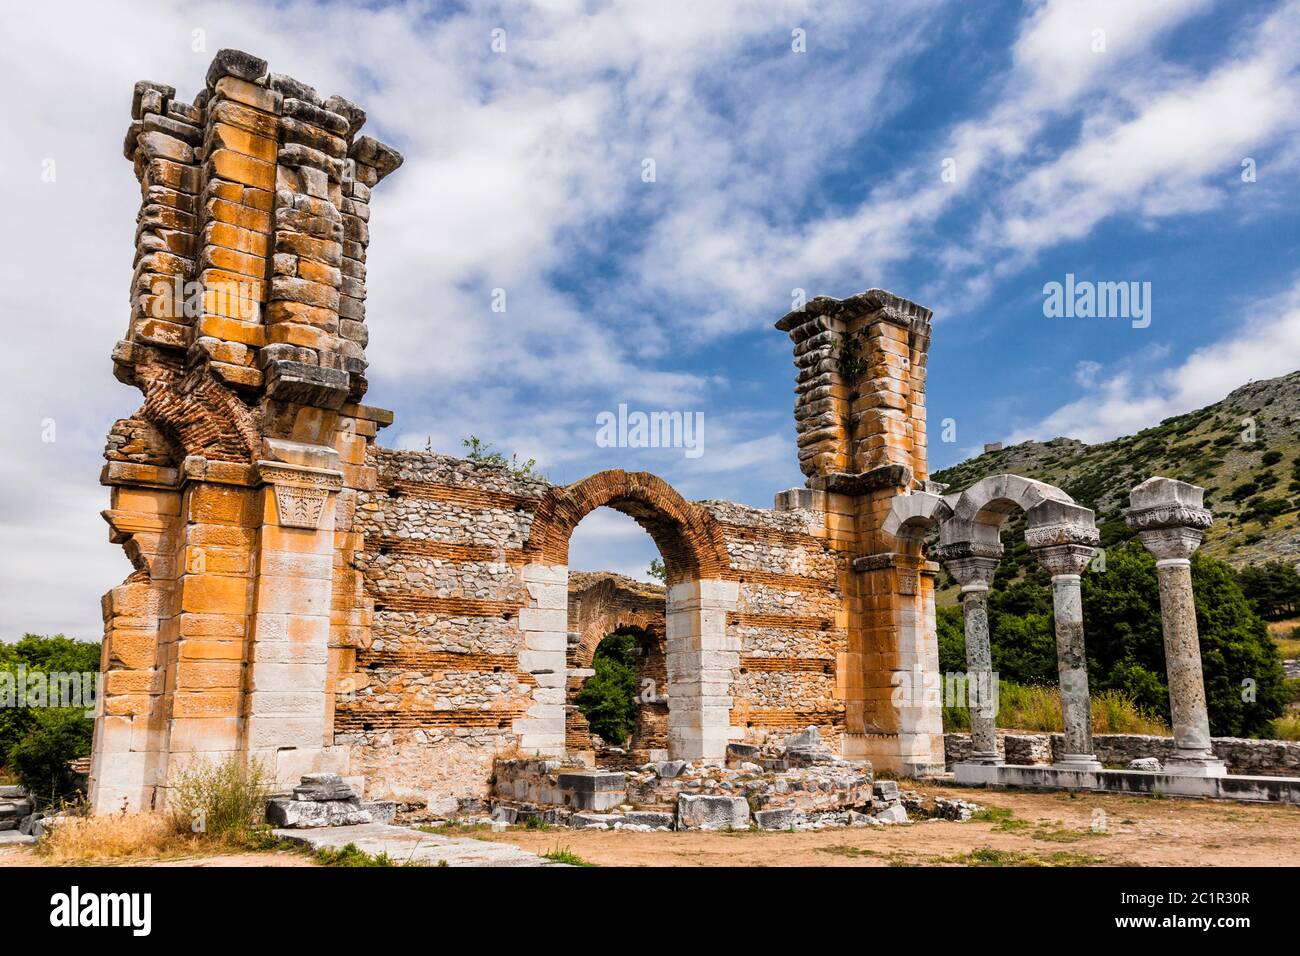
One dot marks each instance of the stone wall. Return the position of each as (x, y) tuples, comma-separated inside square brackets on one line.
[(1246, 756), (307, 599)]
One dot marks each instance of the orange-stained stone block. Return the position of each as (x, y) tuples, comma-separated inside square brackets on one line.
[(209, 650), (133, 682), (232, 237), (243, 169), (293, 333), (249, 94), (210, 703), (146, 500), (203, 675), (214, 594), (134, 705), (225, 136), (132, 649), (222, 504), (232, 330)]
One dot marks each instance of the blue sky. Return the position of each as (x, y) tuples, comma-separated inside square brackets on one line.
[(1102, 139)]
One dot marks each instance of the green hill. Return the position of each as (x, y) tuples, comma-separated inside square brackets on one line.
[(1244, 450)]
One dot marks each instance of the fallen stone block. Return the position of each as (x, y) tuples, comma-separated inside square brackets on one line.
[(505, 815), (306, 814), (778, 819), (381, 811), (710, 812), (594, 821), (892, 814), (669, 769), (1149, 764), (649, 818), (738, 754), (886, 790)]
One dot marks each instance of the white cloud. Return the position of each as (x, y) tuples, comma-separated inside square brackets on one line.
[(1137, 397)]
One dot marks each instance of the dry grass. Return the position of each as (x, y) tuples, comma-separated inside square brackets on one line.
[(113, 836), (1038, 708), (1285, 728)]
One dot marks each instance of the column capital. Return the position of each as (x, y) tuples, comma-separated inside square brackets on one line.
[(1169, 516), (971, 563), (1062, 536)]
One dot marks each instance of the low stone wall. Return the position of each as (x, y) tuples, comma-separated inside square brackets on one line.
[(1269, 758)]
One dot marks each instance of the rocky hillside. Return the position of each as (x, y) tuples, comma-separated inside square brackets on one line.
[(1244, 450)]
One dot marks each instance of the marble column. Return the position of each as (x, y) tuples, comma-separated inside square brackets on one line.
[(1063, 537), (973, 565), (1170, 519)]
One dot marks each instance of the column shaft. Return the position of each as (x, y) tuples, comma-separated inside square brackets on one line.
[(1072, 666), (979, 675), (1187, 707)]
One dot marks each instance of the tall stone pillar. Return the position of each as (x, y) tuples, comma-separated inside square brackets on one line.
[(1063, 538), (235, 482), (1170, 519), (860, 425), (973, 565)]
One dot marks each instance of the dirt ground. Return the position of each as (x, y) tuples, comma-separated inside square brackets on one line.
[(1043, 828), (1022, 828)]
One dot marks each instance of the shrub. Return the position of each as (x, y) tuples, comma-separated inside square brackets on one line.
[(222, 800), (1285, 728), (40, 758)]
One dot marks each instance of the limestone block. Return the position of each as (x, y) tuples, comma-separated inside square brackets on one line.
[(708, 812)]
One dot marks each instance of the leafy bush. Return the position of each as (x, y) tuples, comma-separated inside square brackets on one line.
[(36, 742), (40, 759), (223, 800), (608, 699)]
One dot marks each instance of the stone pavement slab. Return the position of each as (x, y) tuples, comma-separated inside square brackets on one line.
[(403, 844)]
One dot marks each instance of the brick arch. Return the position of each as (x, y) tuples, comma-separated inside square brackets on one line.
[(688, 538)]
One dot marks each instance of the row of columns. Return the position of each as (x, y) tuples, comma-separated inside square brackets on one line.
[(1170, 519)]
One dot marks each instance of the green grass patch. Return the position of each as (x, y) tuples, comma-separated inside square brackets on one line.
[(350, 855), (562, 854)]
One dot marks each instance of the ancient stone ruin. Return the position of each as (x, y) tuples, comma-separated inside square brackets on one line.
[(390, 624)]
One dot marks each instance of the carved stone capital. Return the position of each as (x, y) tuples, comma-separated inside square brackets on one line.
[(1174, 543), (300, 493), (1058, 559), (972, 563)]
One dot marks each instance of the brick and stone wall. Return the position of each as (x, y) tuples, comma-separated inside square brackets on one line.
[(307, 599)]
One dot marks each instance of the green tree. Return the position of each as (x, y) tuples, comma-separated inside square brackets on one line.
[(657, 570), (608, 699), (36, 743), (1273, 589)]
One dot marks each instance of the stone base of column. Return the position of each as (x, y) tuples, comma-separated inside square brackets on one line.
[(1189, 765), (1084, 762), (984, 758)]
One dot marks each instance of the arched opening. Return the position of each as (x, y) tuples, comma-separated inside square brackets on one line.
[(699, 660)]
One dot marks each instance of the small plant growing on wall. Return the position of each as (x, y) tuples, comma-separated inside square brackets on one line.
[(479, 450)]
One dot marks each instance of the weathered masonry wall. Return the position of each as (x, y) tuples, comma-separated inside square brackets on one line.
[(307, 599), (448, 678), (234, 483)]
